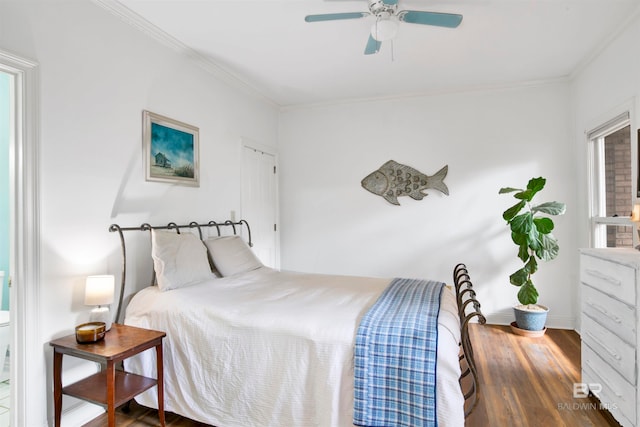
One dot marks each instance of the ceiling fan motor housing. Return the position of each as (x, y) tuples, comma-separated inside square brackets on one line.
[(381, 9)]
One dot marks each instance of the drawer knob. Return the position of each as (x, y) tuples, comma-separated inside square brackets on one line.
[(598, 341), (604, 311), (608, 384), (605, 277)]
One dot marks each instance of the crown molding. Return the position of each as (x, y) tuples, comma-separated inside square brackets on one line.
[(233, 79), (431, 93), (605, 43)]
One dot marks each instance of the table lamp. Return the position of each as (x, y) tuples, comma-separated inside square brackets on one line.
[(99, 292)]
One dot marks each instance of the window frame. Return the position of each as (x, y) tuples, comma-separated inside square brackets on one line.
[(597, 191)]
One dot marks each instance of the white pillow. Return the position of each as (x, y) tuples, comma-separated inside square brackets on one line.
[(231, 255), (178, 259)]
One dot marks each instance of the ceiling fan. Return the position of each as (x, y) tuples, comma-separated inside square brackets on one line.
[(387, 20)]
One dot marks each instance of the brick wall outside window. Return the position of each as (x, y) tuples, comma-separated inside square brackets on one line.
[(617, 153)]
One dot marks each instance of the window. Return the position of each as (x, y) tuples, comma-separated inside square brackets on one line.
[(611, 183)]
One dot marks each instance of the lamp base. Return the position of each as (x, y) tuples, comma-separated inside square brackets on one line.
[(101, 314)]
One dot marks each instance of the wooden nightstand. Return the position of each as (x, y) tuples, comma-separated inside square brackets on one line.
[(110, 387)]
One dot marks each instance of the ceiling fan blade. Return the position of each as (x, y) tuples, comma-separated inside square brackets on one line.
[(449, 20), (335, 16), (373, 46)]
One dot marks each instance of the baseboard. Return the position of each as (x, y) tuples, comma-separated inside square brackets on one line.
[(80, 414), (553, 321)]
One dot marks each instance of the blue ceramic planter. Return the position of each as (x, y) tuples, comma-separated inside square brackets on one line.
[(531, 320)]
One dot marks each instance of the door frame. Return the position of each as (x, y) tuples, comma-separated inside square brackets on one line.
[(28, 387)]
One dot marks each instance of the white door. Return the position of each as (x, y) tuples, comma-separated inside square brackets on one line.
[(260, 201)]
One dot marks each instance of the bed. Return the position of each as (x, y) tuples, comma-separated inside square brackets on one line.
[(248, 345)]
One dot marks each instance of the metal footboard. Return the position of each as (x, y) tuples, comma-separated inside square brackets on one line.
[(468, 309)]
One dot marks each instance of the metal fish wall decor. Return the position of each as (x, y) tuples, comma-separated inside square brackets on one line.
[(393, 180)]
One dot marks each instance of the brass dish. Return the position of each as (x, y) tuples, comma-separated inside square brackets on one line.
[(90, 332)]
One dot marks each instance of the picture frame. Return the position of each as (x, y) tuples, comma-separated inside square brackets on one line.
[(171, 150)]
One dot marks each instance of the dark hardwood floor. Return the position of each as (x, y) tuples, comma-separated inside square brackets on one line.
[(529, 381), (523, 382)]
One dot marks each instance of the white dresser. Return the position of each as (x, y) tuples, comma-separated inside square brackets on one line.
[(609, 286)]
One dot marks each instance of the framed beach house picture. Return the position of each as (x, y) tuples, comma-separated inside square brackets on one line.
[(171, 150)]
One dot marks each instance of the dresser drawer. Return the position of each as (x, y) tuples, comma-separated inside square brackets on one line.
[(613, 314), (615, 352), (609, 277), (614, 392)]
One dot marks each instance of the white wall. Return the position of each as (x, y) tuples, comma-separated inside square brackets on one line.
[(97, 74), (607, 86), (489, 140)]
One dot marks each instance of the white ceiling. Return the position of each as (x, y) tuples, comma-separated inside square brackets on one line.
[(267, 44)]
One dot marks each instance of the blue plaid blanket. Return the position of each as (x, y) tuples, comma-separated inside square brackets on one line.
[(395, 357)]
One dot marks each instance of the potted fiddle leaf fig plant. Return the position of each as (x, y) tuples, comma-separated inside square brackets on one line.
[(531, 232)]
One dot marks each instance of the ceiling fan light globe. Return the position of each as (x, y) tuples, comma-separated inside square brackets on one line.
[(384, 29)]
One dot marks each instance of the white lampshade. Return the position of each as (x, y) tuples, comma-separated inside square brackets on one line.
[(99, 290), (384, 29)]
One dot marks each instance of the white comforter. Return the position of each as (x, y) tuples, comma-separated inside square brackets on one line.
[(269, 348)]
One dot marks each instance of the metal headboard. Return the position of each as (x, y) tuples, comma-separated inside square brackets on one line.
[(170, 226)]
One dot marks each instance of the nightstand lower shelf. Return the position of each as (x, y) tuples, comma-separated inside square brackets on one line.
[(94, 388)]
